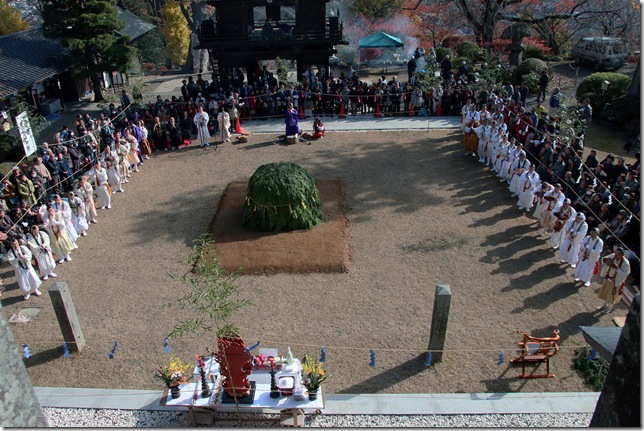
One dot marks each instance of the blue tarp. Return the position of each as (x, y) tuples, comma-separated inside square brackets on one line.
[(380, 40)]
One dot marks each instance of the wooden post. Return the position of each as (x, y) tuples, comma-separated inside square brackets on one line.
[(61, 299), (440, 314)]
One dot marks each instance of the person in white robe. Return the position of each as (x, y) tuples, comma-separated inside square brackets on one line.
[(495, 142), (526, 196), (560, 217), (40, 247), (85, 191), (551, 206), (589, 251), (223, 119), (134, 151), (573, 235), (501, 153), (61, 246), (506, 164), (484, 132), (615, 270), (467, 107), (123, 160), (519, 168), (79, 215), (201, 124), (540, 202), (103, 193), (64, 209), (111, 160), (19, 258)]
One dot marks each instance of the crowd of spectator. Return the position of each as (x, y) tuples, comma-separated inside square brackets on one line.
[(539, 152), (50, 203), (99, 154)]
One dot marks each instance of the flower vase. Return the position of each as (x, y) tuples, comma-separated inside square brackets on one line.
[(313, 394), (175, 391)]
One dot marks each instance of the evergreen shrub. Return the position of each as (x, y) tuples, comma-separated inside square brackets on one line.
[(591, 87), (531, 65)]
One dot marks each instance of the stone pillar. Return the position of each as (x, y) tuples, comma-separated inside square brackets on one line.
[(440, 314), (19, 405), (619, 402), (61, 299)]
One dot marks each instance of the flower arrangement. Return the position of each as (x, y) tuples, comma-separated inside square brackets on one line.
[(313, 375), (172, 374)]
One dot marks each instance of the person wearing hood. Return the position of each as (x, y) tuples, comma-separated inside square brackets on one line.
[(589, 251), (574, 233)]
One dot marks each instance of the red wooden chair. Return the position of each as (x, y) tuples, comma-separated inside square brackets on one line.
[(536, 350)]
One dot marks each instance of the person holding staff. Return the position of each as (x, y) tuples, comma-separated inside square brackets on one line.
[(201, 122)]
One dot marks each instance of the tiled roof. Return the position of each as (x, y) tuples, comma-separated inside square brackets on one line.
[(135, 27), (28, 57)]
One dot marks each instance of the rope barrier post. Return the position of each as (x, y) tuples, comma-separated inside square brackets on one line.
[(61, 299), (440, 314)]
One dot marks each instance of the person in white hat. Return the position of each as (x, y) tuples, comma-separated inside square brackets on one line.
[(223, 119), (589, 251), (200, 99), (554, 200), (540, 191), (615, 270), (19, 257), (519, 167), (561, 217), (40, 247), (574, 232), (529, 180)]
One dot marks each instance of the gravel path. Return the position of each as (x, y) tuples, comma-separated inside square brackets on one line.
[(139, 418)]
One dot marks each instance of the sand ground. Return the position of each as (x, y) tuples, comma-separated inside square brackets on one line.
[(420, 214)]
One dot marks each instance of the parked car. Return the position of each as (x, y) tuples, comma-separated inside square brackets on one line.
[(600, 52)]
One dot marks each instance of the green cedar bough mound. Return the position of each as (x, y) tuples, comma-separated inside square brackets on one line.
[(280, 197)]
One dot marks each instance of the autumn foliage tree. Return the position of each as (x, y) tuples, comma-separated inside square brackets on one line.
[(10, 19), (554, 22), (435, 21), (176, 32)]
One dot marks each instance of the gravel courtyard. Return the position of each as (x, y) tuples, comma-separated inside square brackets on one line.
[(420, 214)]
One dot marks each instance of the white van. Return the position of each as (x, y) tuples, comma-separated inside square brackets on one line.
[(600, 52)]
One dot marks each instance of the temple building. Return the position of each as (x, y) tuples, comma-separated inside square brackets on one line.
[(243, 32)]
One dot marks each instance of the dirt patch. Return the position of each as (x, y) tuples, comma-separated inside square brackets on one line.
[(325, 248)]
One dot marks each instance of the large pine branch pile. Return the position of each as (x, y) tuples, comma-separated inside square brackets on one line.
[(281, 196)]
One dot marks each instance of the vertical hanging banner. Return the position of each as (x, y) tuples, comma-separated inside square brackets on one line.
[(24, 128)]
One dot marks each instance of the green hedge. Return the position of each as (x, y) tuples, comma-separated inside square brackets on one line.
[(531, 65), (591, 87), (281, 196), (534, 52), (456, 63), (468, 49), (10, 149), (441, 52)]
